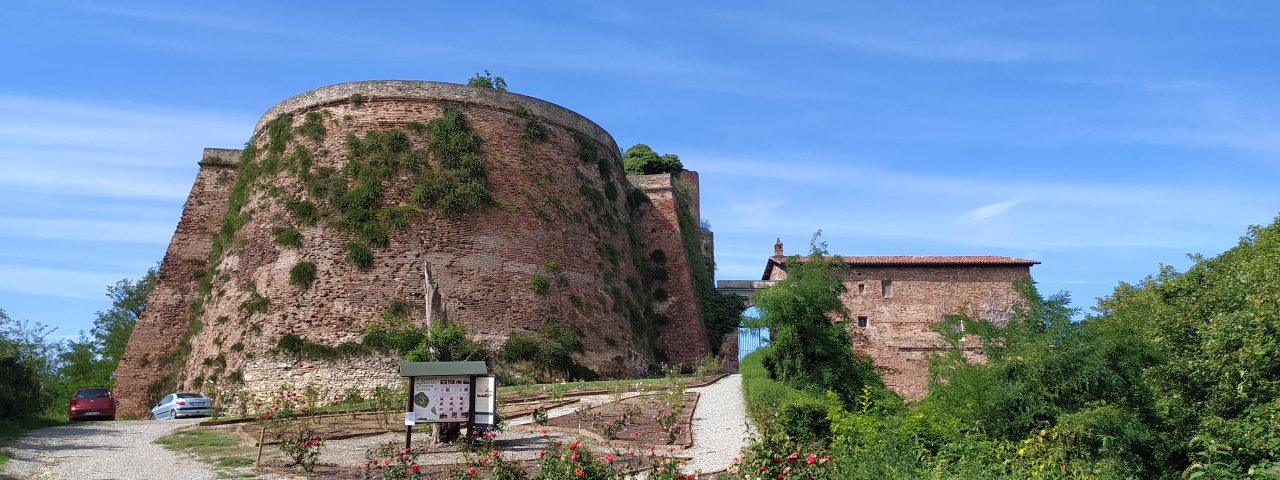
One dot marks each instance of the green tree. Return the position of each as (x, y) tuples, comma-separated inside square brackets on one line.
[(1083, 379), (91, 360), (809, 350), (642, 160), (1216, 332), (447, 342), (488, 80), (26, 365)]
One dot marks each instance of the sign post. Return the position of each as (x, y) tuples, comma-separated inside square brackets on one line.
[(408, 427), (447, 393)]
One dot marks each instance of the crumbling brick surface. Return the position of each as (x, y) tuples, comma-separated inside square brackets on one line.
[(159, 328), (482, 262), (683, 338)]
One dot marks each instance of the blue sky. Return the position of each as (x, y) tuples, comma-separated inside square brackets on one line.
[(1101, 138)]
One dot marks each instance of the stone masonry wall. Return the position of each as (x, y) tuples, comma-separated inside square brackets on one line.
[(897, 336), (683, 339), (160, 328), (482, 262)]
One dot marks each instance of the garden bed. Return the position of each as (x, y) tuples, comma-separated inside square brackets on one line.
[(630, 422)]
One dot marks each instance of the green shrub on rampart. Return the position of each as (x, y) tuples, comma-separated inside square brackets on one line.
[(303, 274)]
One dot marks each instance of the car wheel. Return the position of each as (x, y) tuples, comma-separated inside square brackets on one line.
[(111, 418), (173, 414)]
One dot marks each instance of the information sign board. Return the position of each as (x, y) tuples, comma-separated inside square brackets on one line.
[(486, 411), (441, 399)]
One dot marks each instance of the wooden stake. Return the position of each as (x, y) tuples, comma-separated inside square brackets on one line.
[(262, 436)]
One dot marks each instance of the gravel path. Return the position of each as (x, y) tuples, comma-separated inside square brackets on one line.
[(102, 451), (719, 431), (124, 449), (720, 426)]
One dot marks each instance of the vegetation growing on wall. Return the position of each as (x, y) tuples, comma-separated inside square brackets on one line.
[(550, 351), (640, 159), (458, 185), (721, 312), (303, 274), (394, 334), (287, 237), (488, 80)]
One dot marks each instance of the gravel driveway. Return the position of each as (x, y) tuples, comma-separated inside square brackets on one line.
[(102, 451)]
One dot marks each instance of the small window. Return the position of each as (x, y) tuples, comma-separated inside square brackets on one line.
[(862, 288), (886, 289), (862, 322)]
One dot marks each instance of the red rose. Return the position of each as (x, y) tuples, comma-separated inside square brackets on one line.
[(414, 468)]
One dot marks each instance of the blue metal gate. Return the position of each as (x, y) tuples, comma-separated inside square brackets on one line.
[(749, 339)]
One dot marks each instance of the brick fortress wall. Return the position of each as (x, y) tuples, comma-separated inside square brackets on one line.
[(481, 263), (683, 339), (160, 327)]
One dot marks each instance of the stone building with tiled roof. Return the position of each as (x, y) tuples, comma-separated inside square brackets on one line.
[(893, 300)]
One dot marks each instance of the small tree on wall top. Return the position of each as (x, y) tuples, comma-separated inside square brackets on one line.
[(488, 80), (640, 159), (811, 352)]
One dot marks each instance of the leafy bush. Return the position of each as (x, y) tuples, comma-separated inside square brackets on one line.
[(798, 413), (287, 237), (539, 284), (303, 274), (640, 159), (772, 453), (448, 342), (550, 351), (313, 126), (358, 254), (392, 461), (488, 80), (286, 420), (20, 367), (808, 350)]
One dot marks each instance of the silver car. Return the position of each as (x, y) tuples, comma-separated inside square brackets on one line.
[(181, 404)]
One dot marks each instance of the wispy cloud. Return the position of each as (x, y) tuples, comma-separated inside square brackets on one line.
[(86, 285), (865, 201), (114, 230), (986, 212), (953, 49), (125, 152)]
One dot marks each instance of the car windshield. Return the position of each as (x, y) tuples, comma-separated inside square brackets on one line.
[(93, 393), (190, 395)]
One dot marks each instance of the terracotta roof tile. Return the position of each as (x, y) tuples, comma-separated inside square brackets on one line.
[(914, 260), (865, 260)]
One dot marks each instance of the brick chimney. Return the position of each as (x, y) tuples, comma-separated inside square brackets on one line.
[(777, 247)]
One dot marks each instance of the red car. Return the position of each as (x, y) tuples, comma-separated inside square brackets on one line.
[(92, 403)]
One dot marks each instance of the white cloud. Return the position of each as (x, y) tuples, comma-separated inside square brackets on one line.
[(987, 212), (860, 201), (55, 282), (112, 230), (121, 152)]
